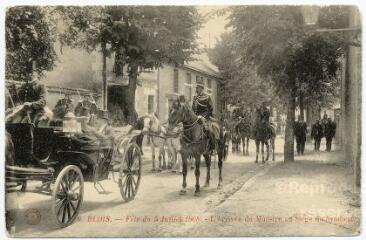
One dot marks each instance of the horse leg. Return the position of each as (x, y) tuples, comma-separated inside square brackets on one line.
[(273, 149), (184, 170), (262, 150), (220, 157), (267, 146), (247, 146), (257, 151), (163, 157), (243, 140), (208, 169), (153, 156), (160, 156), (197, 173)]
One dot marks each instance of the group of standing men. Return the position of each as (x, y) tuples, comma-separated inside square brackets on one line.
[(324, 128)]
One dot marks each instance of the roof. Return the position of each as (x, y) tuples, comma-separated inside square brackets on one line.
[(203, 64)]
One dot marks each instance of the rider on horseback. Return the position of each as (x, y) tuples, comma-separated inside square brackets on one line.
[(202, 106)]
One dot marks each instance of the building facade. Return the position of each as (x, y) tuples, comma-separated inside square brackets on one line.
[(155, 88)]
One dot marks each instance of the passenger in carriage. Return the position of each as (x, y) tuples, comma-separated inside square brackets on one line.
[(95, 126), (63, 106)]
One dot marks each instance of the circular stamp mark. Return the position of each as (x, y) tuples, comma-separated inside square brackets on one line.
[(32, 216)]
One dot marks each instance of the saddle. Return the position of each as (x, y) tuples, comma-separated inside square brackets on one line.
[(211, 125)]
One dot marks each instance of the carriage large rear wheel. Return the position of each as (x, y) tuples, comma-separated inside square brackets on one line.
[(67, 195), (130, 172)]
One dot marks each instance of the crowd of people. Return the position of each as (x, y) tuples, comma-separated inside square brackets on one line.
[(324, 128)]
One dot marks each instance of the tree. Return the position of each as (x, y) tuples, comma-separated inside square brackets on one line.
[(276, 41), (137, 36), (242, 84), (29, 37)]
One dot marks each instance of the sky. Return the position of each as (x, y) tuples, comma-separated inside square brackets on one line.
[(213, 27)]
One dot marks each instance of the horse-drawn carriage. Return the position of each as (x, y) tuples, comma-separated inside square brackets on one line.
[(62, 161)]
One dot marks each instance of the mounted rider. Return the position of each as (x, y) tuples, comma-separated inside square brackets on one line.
[(202, 106), (263, 119)]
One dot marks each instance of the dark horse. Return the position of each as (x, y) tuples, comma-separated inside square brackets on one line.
[(243, 129), (264, 134), (194, 142)]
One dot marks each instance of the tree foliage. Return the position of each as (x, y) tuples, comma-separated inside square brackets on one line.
[(137, 36), (144, 35), (29, 37), (243, 86)]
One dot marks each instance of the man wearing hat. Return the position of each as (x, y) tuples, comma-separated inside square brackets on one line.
[(32, 97), (63, 106), (203, 107)]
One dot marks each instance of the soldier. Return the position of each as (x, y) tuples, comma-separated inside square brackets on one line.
[(300, 132), (203, 107), (317, 134), (329, 133)]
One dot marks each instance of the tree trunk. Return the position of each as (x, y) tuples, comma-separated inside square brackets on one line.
[(289, 131), (122, 98), (104, 76), (301, 106)]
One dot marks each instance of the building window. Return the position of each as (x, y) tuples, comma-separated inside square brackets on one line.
[(188, 87), (209, 86), (176, 81), (209, 83), (150, 104), (197, 78)]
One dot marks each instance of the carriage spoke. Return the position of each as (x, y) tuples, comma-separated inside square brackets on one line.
[(64, 213), (74, 181), (134, 181), (63, 187), (73, 207), (68, 211), (133, 185)]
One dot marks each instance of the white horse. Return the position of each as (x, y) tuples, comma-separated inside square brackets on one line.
[(167, 141)]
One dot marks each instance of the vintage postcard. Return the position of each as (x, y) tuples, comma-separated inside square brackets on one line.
[(182, 121)]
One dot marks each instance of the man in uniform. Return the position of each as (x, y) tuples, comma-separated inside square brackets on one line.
[(329, 133), (317, 134), (300, 132), (203, 107)]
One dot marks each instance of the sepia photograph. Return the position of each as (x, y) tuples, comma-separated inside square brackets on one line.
[(182, 120)]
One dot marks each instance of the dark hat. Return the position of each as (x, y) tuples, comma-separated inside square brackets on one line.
[(182, 99), (200, 83), (103, 114)]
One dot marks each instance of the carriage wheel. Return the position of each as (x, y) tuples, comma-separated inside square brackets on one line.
[(67, 195), (130, 172)]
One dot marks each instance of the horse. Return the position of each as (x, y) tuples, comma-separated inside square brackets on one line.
[(243, 129), (194, 142), (264, 134), (160, 138), (235, 140)]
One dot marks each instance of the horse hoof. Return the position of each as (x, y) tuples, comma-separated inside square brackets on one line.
[(197, 193), (206, 185), (153, 170), (219, 186), (183, 192)]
